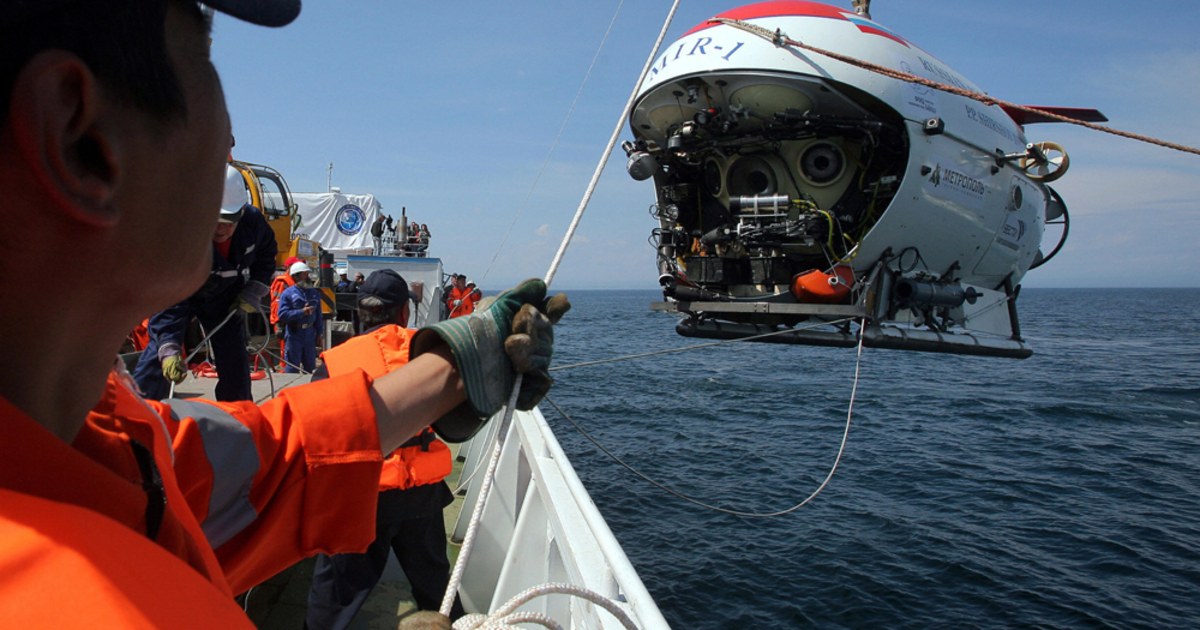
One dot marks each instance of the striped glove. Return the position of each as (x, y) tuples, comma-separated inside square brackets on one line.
[(513, 334)]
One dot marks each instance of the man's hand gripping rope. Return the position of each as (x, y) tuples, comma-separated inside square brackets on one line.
[(511, 335)]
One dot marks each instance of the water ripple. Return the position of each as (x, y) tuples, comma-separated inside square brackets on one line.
[(1059, 491)]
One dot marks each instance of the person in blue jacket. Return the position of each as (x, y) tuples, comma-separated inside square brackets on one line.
[(243, 260), (343, 284), (300, 314)]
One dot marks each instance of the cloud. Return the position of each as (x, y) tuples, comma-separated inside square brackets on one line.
[(1102, 189)]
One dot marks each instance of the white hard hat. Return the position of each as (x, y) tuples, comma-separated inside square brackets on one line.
[(298, 267), (236, 196)]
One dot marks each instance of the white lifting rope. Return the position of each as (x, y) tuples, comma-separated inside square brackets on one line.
[(486, 484)]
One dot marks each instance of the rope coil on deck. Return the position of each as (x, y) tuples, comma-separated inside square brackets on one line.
[(507, 616)]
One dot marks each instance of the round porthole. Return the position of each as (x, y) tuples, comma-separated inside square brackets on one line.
[(750, 176), (822, 163)]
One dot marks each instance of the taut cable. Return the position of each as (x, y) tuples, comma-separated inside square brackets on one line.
[(486, 484)]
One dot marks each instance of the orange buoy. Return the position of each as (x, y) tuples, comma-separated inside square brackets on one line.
[(816, 286)]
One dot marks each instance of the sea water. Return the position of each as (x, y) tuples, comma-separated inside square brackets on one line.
[(1058, 491)]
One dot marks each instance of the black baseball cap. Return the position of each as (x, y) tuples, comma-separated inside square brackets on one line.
[(387, 285), (260, 12)]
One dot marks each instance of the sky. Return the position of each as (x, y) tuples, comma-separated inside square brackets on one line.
[(486, 120)]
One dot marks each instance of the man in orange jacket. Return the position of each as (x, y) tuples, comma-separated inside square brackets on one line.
[(461, 298), (113, 141), (412, 493)]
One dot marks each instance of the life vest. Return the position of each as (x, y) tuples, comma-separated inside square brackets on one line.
[(278, 285), (140, 336), (422, 460), (466, 301)]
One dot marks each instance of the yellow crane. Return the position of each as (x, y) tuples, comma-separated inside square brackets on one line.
[(269, 192)]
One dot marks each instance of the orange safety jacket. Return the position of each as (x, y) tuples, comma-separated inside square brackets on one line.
[(466, 298), (422, 460), (140, 336), (159, 512), (278, 285)]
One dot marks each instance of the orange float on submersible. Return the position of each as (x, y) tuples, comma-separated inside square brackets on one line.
[(823, 288)]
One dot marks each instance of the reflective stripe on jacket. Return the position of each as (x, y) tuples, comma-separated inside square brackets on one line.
[(422, 460), (158, 513), (250, 260)]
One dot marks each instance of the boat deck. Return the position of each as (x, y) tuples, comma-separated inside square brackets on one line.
[(279, 603)]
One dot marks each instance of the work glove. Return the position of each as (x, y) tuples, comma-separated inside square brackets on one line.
[(174, 368), (251, 297), (245, 306), (512, 334), (531, 345)]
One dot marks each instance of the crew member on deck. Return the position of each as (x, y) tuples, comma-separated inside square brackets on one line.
[(461, 298), (343, 284), (300, 314), (412, 493), (119, 511), (243, 259), (377, 235), (279, 284)]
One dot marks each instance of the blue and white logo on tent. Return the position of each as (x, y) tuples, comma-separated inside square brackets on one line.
[(350, 219)]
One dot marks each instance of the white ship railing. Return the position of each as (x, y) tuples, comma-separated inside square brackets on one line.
[(539, 526)]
